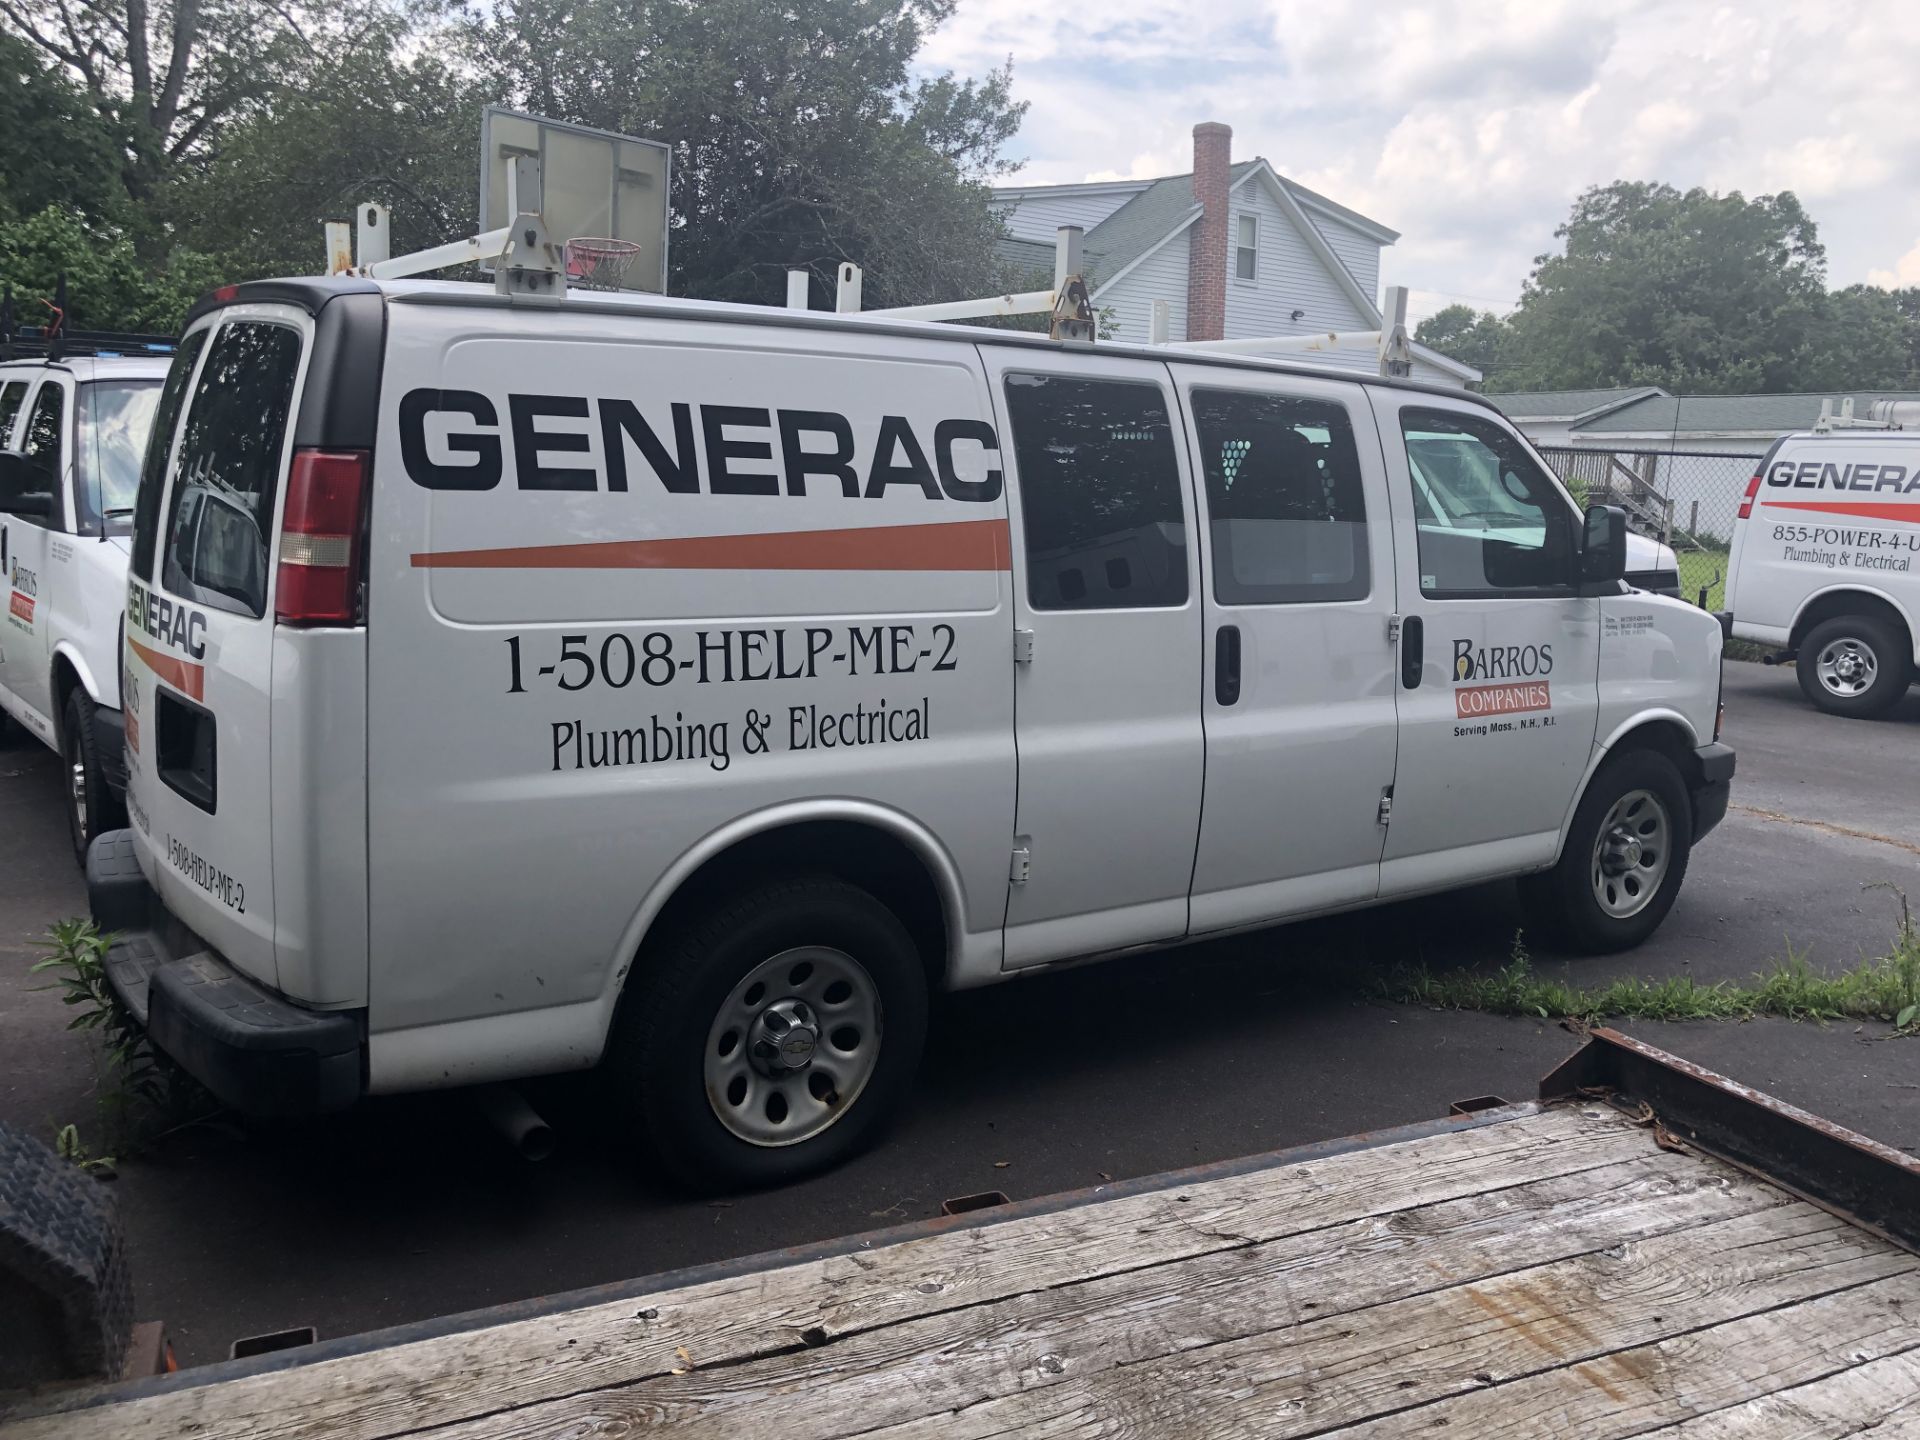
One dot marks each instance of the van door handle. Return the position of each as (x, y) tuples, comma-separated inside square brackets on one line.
[(1413, 635), (1226, 665)]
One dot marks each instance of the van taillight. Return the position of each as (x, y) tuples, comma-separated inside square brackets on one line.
[(319, 576), (1753, 489)]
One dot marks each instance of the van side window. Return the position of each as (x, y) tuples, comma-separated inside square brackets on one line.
[(1286, 517), (11, 394), (222, 509), (153, 469), (41, 444), (1099, 493), (1490, 520)]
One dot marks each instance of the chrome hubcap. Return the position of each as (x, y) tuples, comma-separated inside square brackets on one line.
[(793, 1046), (77, 794), (1630, 856), (1846, 668)]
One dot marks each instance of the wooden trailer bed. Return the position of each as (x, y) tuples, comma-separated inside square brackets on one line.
[(1576, 1267)]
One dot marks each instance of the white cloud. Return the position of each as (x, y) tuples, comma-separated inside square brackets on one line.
[(1905, 271), (1471, 128)]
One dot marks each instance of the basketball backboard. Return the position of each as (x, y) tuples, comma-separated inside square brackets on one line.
[(594, 183)]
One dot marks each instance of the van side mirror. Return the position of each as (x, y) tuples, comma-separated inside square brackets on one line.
[(25, 488), (1603, 545)]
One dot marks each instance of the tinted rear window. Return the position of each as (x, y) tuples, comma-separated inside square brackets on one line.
[(222, 508), (1099, 493), (153, 470)]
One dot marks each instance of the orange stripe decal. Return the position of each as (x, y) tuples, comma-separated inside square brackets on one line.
[(954, 545), (188, 678), (1865, 509)]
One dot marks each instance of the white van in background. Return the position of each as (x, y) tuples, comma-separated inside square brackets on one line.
[(73, 433), (1826, 564), (695, 689)]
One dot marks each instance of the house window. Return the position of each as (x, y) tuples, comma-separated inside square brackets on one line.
[(1246, 250)]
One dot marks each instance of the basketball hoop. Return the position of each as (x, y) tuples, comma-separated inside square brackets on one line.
[(600, 263)]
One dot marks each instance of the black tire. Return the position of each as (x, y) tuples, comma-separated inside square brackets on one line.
[(656, 1058), (92, 808), (1871, 640), (1564, 902)]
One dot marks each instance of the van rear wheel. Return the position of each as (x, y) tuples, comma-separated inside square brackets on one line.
[(772, 1037), (91, 807), (1855, 665), (1624, 859)]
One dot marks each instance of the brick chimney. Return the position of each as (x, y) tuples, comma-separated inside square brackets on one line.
[(1207, 241)]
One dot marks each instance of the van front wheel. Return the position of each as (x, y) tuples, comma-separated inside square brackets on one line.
[(1855, 665), (1624, 859), (772, 1037)]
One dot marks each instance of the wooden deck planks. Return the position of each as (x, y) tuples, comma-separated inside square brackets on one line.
[(1881, 1396), (392, 1391), (1639, 1389), (1551, 1274), (1461, 1341)]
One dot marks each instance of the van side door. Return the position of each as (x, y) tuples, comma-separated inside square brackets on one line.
[(200, 636), (1500, 654), (45, 439), (1108, 650), (1299, 703)]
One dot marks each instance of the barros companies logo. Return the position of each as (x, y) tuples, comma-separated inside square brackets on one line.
[(1522, 669)]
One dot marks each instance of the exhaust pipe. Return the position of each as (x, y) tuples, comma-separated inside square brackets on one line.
[(506, 1109)]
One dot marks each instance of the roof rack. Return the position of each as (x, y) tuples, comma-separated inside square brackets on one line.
[(53, 341)]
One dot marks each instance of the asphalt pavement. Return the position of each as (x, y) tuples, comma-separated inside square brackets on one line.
[(409, 1208)]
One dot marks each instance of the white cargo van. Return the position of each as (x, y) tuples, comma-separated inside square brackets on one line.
[(1826, 564), (73, 432), (696, 689)]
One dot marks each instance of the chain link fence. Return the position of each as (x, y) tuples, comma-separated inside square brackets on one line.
[(1686, 499)]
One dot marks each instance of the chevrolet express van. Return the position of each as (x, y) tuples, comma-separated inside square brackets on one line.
[(695, 690), (1825, 566), (73, 432)]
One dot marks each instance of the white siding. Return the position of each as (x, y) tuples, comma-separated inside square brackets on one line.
[(1291, 277), (1360, 253), (1037, 217), (1434, 375), (1161, 276)]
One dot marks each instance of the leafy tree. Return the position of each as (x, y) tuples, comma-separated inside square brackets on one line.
[(109, 286), (1697, 292), (800, 136), (167, 78), (1864, 339), (1693, 291), (56, 150), (387, 120), (1476, 337)]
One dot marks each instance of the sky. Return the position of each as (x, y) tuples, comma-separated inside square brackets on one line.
[(1470, 125)]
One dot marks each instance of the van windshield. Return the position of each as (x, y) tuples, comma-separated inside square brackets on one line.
[(116, 417)]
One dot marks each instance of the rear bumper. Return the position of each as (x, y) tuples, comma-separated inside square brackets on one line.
[(110, 746), (1714, 788), (253, 1049)]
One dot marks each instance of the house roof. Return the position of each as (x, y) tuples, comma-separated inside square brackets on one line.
[(1569, 404), (1726, 414), (1158, 210)]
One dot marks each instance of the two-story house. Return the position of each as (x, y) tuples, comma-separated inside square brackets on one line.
[(1236, 250)]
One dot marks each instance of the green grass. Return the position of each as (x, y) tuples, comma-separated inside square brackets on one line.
[(1887, 988), (1703, 567)]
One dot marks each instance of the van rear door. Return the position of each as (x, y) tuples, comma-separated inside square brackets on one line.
[(200, 634)]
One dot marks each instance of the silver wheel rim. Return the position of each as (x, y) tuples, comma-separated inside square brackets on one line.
[(1631, 855), (793, 1046), (1846, 668), (77, 793)]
